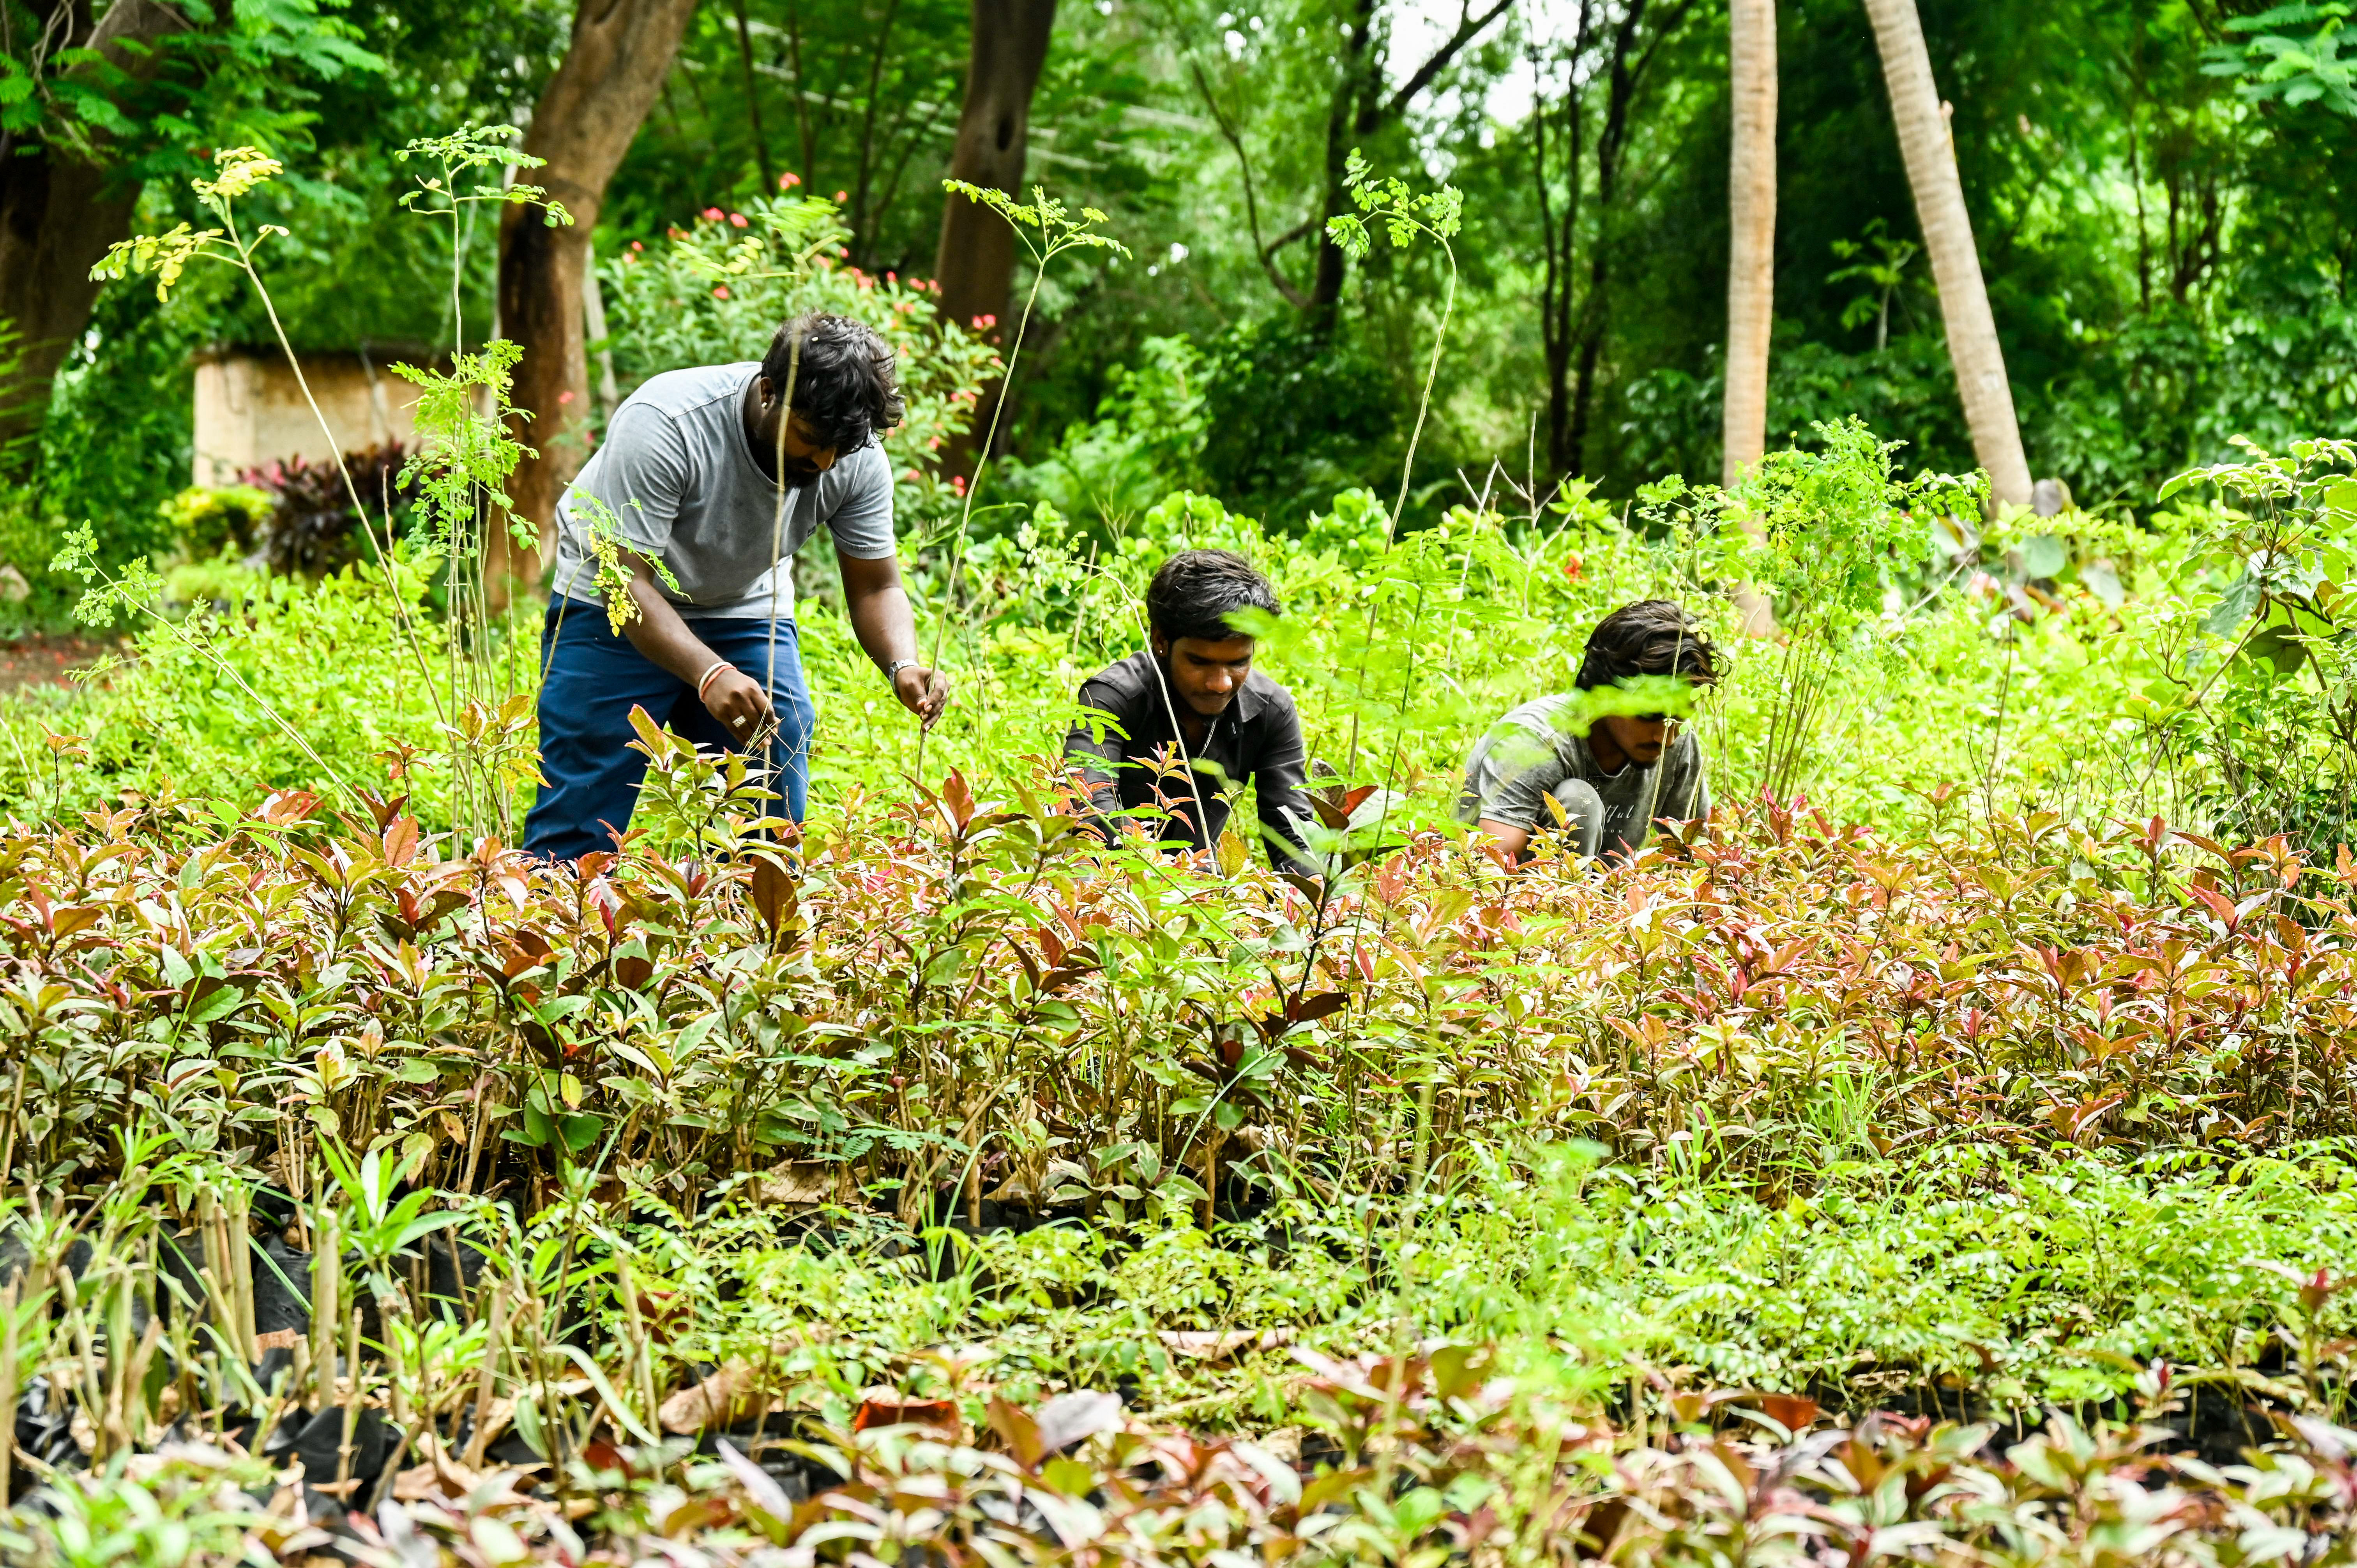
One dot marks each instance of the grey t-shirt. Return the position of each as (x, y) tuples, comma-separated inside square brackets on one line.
[(1530, 751), (680, 479)]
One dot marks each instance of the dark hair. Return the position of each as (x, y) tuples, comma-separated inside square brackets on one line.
[(1196, 590), (843, 378), (1652, 637)]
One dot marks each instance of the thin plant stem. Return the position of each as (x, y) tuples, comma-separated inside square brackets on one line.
[(351, 488), (974, 486), (1391, 522)]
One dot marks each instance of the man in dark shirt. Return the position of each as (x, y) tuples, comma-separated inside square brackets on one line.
[(1178, 727)]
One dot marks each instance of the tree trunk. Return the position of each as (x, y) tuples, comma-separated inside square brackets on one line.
[(1751, 230), (1947, 228), (1628, 67), (975, 265), (584, 123), (1559, 239), (59, 212), (1348, 112)]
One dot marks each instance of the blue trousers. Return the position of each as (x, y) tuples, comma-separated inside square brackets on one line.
[(593, 680)]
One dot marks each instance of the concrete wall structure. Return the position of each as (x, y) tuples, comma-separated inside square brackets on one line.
[(251, 411)]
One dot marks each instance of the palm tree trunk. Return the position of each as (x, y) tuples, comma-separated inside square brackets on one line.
[(1948, 237), (1751, 245)]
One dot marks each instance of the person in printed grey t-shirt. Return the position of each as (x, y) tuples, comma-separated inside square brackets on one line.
[(707, 473), (1626, 773)]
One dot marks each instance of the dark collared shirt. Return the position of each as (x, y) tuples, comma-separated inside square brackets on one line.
[(1258, 739)]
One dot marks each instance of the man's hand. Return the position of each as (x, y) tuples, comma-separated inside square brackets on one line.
[(878, 609), (924, 692), (737, 701)]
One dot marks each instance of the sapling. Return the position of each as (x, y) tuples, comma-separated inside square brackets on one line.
[(1051, 232), (1403, 215), (9, 1344), (1813, 533), (466, 455), (241, 171)]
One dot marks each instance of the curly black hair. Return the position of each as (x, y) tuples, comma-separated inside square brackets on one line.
[(842, 375), (1652, 637), (1196, 590)]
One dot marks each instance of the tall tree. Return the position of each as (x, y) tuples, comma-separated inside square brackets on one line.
[(105, 95), (1616, 48), (1930, 156), (614, 65), (1751, 239), (975, 265)]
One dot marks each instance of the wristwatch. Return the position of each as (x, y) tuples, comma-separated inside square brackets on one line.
[(892, 670)]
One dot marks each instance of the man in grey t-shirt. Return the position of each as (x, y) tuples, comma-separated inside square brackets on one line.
[(706, 485), (1627, 771)]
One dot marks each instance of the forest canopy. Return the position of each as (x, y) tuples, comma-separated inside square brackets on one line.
[(2160, 192)]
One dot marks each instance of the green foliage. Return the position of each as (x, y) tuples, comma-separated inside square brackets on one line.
[(1051, 229), (465, 455), (288, 685), (183, 1511), (1883, 272), (2275, 65), (205, 520), (1146, 439), (1293, 414), (1835, 524), (1401, 214), (2260, 679), (238, 171), (103, 105), (118, 443)]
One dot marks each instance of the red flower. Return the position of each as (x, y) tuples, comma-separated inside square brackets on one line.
[(1571, 568), (737, 219), (711, 215), (788, 181), (720, 291)]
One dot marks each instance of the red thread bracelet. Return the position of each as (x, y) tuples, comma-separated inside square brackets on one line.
[(705, 684)]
